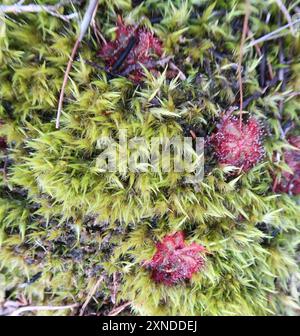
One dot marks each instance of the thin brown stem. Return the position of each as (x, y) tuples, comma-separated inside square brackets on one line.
[(62, 91), (88, 15), (245, 29), (119, 309), (90, 295)]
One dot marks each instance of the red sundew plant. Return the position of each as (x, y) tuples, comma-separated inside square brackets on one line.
[(290, 181), (133, 46), (238, 145), (174, 260)]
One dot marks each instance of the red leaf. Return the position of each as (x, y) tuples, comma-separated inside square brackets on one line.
[(145, 48), (290, 182), (238, 146), (174, 260)]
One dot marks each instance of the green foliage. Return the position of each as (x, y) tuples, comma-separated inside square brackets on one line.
[(62, 216)]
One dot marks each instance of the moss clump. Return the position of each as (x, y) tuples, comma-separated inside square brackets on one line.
[(65, 223)]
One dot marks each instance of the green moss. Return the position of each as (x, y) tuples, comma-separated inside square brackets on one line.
[(63, 217)]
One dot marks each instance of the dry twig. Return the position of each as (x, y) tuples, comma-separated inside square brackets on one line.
[(245, 29), (272, 35), (92, 6), (34, 8), (21, 310), (90, 295), (287, 15), (118, 310), (96, 29)]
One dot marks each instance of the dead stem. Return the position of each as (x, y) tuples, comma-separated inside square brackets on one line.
[(96, 29), (33, 8), (272, 35), (245, 29), (88, 15), (21, 310), (66, 75), (118, 310), (90, 295), (287, 15)]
